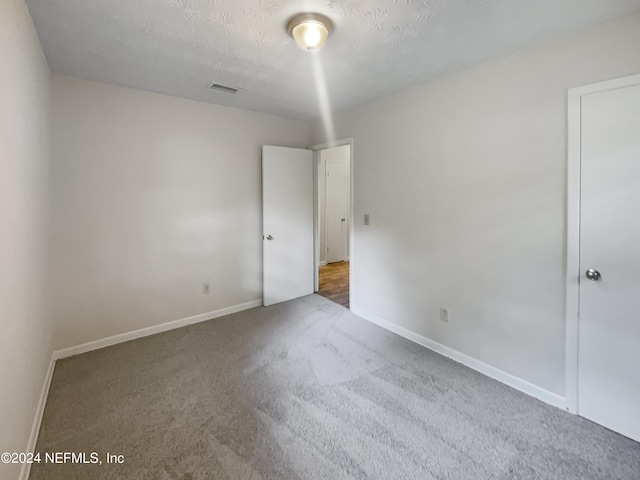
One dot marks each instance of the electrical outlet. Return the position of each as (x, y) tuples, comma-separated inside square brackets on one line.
[(205, 288), (444, 314)]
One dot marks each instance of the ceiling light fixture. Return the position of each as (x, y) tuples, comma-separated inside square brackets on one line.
[(309, 30)]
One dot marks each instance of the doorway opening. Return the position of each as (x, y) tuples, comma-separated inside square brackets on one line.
[(334, 223)]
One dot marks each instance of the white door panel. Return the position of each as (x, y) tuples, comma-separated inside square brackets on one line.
[(337, 206), (609, 325), (287, 218)]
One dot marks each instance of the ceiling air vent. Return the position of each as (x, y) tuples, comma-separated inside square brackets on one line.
[(223, 88)]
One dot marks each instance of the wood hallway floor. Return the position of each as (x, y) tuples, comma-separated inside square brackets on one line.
[(333, 282)]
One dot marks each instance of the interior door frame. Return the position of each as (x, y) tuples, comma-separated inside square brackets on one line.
[(316, 230), (573, 274)]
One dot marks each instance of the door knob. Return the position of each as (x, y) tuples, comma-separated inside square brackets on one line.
[(593, 274), (269, 237)]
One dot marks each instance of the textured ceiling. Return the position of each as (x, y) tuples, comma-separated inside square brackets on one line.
[(177, 47)]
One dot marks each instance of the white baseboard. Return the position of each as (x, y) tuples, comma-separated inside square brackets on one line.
[(37, 420), (145, 332), (495, 373), (322, 264)]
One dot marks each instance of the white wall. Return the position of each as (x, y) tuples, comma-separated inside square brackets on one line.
[(341, 154), (464, 178), (152, 196), (25, 329)]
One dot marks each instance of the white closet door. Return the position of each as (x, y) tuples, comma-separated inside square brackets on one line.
[(609, 317)]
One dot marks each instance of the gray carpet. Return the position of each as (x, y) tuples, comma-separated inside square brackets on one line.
[(307, 390)]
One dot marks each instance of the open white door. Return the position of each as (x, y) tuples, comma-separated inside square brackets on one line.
[(287, 220)]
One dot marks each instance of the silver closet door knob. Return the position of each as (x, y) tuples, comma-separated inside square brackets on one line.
[(593, 274), (269, 237)]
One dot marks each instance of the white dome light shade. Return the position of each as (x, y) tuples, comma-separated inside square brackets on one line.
[(309, 30)]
